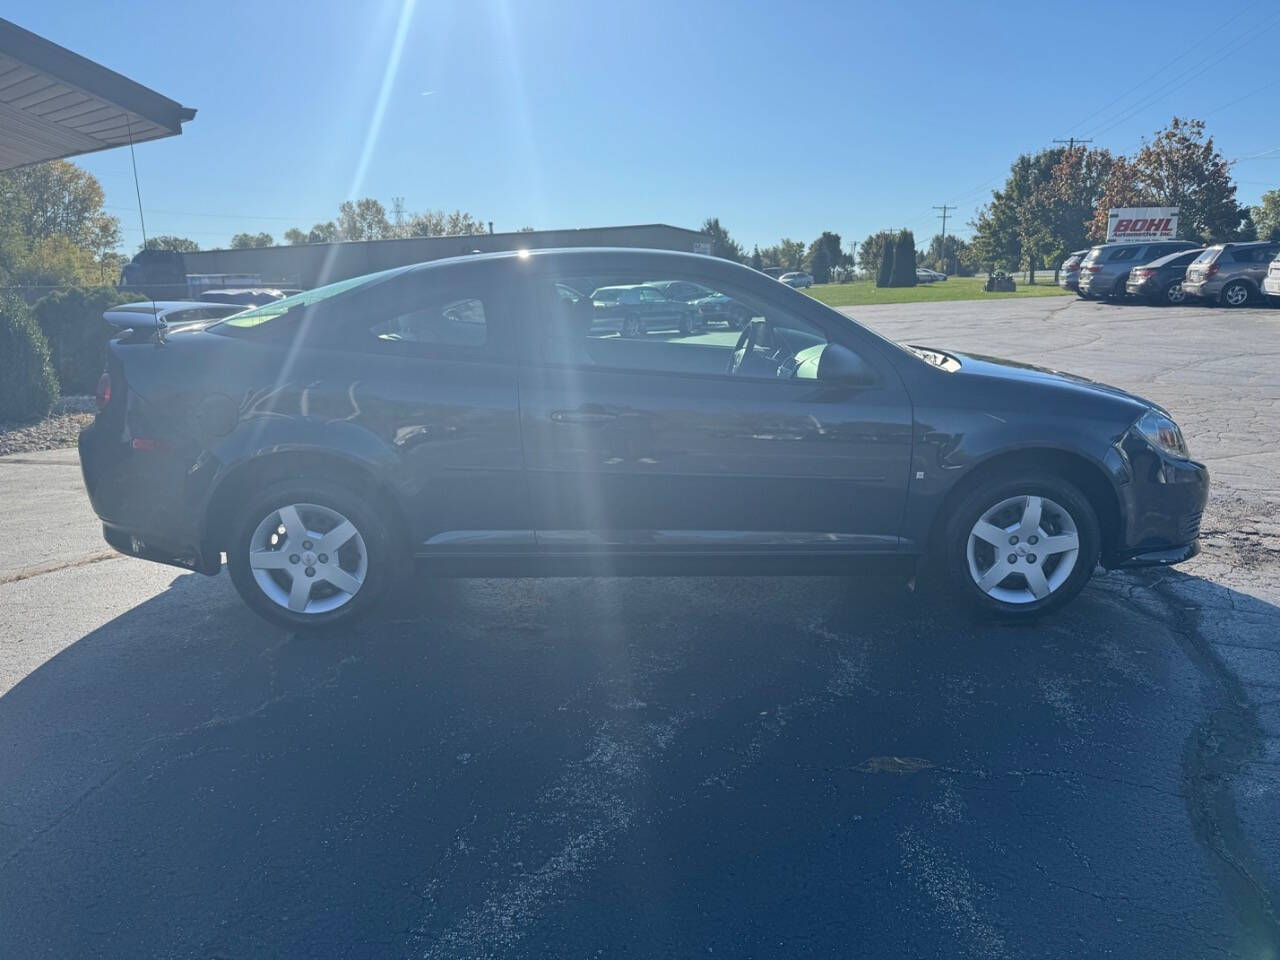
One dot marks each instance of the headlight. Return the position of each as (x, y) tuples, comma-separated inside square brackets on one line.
[(1162, 433)]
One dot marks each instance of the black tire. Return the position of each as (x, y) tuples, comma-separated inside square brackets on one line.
[(1173, 295), (986, 495), (1118, 292), (380, 551), (1234, 289)]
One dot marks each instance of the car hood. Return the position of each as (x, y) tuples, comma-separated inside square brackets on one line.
[(996, 368)]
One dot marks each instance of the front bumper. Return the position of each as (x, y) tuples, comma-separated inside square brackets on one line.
[(1161, 505)]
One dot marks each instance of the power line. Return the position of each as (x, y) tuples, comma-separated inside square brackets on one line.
[(1071, 143)]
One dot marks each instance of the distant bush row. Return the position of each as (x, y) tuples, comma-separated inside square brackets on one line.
[(59, 345)]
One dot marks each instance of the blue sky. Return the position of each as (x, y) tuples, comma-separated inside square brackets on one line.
[(781, 119)]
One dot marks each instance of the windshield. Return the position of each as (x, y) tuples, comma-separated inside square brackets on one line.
[(278, 308)]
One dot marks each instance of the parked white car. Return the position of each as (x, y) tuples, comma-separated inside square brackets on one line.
[(925, 275), (148, 313), (797, 279)]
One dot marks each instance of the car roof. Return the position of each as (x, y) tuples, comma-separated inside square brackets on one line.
[(1169, 257)]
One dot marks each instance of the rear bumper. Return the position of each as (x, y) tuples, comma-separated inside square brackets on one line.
[(1069, 281), (1271, 286), (1140, 288), (1202, 289), (143, 499)]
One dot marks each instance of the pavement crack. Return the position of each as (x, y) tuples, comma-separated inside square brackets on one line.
[(39, 570)]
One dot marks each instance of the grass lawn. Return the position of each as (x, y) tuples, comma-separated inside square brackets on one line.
[(864, 292)]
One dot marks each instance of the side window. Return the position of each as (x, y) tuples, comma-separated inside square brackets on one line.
[(452, 323), (720, 331), (1125, 253)]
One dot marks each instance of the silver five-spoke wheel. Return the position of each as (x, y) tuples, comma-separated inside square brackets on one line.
[(1023, 549), (308, 558)]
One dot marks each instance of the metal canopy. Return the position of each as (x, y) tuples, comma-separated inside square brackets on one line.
[(55, 103)]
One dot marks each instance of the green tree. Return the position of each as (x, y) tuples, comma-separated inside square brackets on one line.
[(170, 242), (249, 241), (365, 219), (823, 254), (950, 256), (757, 261), (1180, 168), (53, 227), (884, 268), (1266, 216), (998, 229), (326, 232), (722, 245), (871, 251), (438, 223), (904, 260)]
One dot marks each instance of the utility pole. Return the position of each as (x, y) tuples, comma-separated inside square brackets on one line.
[(1072, 141), (945, 208)]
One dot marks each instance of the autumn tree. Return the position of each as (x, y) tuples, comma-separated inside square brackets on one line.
[(1180, 168), (1266, 216), (999, 228)]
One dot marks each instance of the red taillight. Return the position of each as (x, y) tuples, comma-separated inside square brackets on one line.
[(1212, 271), (103, 394)]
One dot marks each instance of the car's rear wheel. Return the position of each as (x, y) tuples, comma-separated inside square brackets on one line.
[(309, 554), (1236, 294), (1022, 546), (1174, 294), (632, 326)]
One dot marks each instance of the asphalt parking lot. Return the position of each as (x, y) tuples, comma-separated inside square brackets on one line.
[(740, 767)]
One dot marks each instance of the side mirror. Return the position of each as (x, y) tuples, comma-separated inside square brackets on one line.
[(839, 364)]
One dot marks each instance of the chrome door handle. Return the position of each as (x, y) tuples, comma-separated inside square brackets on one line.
[(581, 416)]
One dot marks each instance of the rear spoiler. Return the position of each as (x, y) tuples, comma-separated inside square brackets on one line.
[(136, 327)]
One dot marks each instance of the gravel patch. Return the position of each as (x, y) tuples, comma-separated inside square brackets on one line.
[(59, 429)]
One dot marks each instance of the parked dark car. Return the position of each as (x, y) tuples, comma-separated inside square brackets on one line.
[(634, 309), (468, 414), (1105, 268), (251, 297), (1231, 274), (1069, 272), (1160, 281), (710, 304)]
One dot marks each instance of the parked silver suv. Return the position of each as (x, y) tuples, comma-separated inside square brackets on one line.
[(1105, 268), (1230, 273), (1069, 272)]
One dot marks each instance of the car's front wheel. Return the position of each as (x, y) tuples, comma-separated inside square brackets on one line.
[(309, 554), (1021, 547)]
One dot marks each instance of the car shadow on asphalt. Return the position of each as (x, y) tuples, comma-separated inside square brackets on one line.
[(544, 767)]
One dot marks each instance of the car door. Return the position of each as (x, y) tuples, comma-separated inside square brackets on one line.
[(1256, 268), (425, 364), (652, 444)]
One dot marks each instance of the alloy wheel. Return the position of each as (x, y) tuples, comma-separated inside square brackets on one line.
[(1236, 295), (1022, 549), (1174, 292), (308, 558)]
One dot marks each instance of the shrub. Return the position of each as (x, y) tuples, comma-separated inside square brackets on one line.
[(904, 260), (884, 275), (28, 388), (71, 321)]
